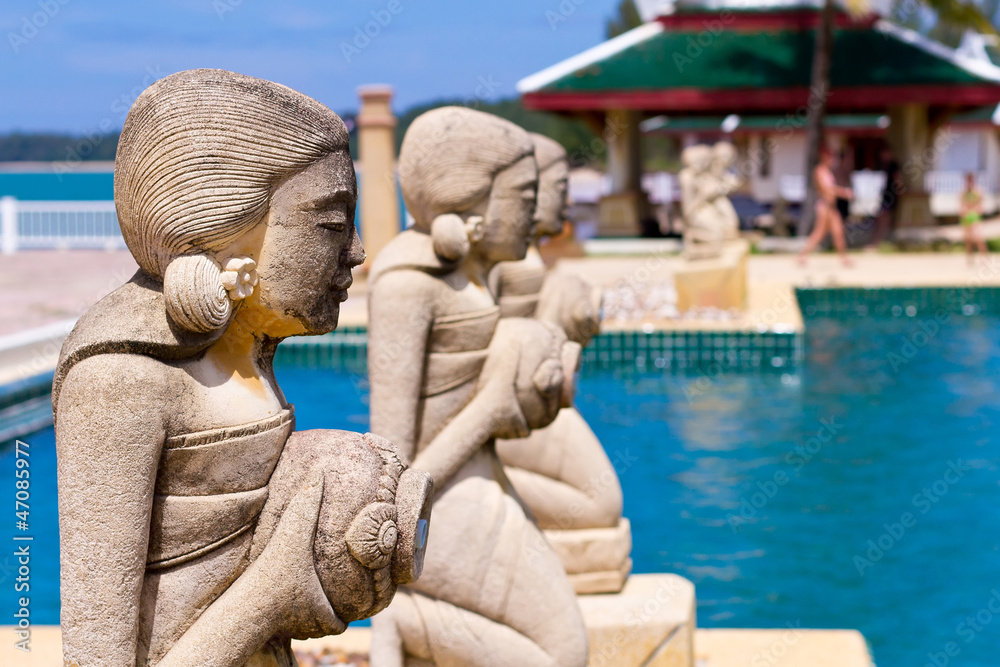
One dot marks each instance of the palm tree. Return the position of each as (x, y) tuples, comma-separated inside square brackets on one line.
[(957, 14)]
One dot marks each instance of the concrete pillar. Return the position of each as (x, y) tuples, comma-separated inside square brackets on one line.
[(622, 211), (379, 199), (8, 225), (909, 135)]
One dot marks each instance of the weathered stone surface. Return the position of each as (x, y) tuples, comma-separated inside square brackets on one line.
[(791, 647), (561, 471), (592, 549), (447, 379), (650, 623), (195, 528)]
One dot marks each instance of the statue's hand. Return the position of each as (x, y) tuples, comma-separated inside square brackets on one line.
[(287, 565), (279, 595), (572, 304)]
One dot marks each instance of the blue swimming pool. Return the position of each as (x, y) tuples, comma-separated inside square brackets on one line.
[(856, 490)]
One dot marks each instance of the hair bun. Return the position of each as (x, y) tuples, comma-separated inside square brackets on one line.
[(195, 296), (451, 240)]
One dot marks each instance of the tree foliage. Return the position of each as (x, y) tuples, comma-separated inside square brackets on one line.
[(575, 136), (21, 147), (626, 18)]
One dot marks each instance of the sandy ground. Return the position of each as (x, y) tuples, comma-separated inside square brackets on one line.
[(42, 287), (39, 287), (717, 647)]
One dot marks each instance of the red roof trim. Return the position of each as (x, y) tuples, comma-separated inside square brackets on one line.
[(760, 99), (797, 128), (726, 19)]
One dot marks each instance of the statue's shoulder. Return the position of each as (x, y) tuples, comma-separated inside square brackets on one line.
[(410, 254), (116, 379), (408, 286)]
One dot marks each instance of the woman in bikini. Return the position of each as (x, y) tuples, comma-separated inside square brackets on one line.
[(828, 220), (971, 212)]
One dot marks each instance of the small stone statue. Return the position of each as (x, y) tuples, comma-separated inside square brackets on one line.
[(709, 216), (196, 527), (447, 378), (562, 472), (723, 159)]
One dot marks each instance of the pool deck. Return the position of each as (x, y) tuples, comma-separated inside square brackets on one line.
[(715, 647), (41, 289)]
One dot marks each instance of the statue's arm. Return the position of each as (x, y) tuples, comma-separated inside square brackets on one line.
[(400, 313), (701, 194), (109, 433), (488, 415)]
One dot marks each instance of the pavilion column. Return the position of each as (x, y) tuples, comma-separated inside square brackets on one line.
[(909, 136), (622, 211), (379, 200)]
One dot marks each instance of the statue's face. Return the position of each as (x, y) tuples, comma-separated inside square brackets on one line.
[(309, 247), (723, 157), (550, 211), (509, 212)]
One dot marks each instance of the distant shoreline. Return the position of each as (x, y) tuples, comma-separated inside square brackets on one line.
[(57, 167)]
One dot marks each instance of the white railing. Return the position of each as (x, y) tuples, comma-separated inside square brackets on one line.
[(590, 187), (870, 183), (953, 182), (58, 224)]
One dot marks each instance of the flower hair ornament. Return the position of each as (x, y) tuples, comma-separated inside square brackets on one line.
[(239, 277), (453, 237), (200, 293)]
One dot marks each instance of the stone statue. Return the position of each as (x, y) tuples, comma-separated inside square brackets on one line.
[(447, 378), (723, 159), (196, 527), (562, 472), (709, 216)]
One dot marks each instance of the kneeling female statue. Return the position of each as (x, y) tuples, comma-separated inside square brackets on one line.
[(196, 527)]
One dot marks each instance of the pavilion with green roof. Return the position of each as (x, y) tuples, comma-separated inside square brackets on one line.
[(714, 58)]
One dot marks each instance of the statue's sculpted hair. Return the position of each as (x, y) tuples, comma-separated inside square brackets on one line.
[(450, 157), (548, 151), (201, 152), (199, 156)]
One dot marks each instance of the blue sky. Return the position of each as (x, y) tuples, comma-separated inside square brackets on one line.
[(76, 65)]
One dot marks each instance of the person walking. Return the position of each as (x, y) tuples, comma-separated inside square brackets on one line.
[(828, 219)]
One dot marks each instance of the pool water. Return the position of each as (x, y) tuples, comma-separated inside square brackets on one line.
[(859, 491)]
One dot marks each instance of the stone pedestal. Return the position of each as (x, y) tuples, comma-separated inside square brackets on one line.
[(596, 559), (379, 201), (650, 623), (719, 282)]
